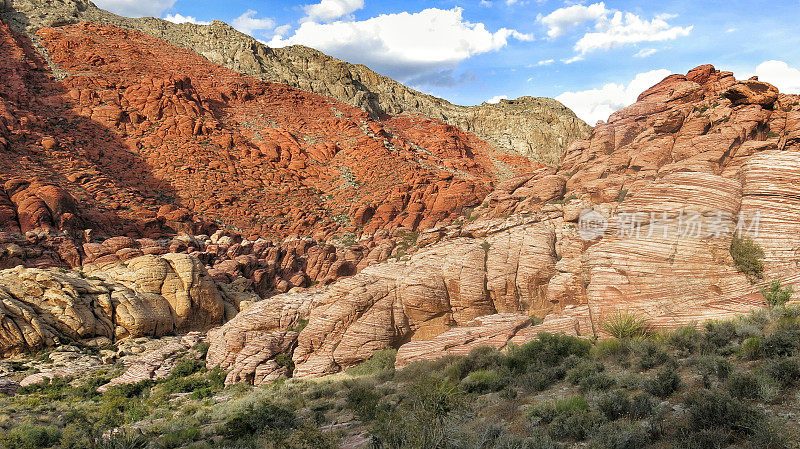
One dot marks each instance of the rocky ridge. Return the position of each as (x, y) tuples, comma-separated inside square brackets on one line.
[(672, 178), (538, 128)]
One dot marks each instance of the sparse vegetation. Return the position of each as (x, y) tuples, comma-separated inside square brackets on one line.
[(747, 257), (775, 295), (623, 324), (694, 386)]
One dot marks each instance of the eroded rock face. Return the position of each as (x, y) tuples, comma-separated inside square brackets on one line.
[(147, 296), (688, 165), (539, 128)]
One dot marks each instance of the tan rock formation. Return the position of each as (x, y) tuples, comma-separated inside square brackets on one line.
[(148, 296)]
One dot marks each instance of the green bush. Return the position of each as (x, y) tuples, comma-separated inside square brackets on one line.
[(643, 405), (614, 404), (540, 377), (775, 295), (590, 376), (783, 342), (575, 426), (179, 438), (785, 370), (484, 381), (545, 412), (751, 348), (547, 349), (621, 435), (257, 417), (363, 400), (650, 354), (717, 409), (30, 437), (122, 439), (747, 257), (381, 363), (624, 324), (685, 338), (664, 383), (743, 385)]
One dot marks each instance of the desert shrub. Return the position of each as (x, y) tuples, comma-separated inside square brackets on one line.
[(717, 409), (30, 437), (775, 295), (785, 370), (685, 338), (664, 383), (721, 334), (650, 354), (545, 412), (179, 438), (479, 358), (540, 377), (130, 390), (643, 405), (122, 439), (621, 435), (76, 436), (187, 366), (425, 417), (202, 348), (575, 426), (624, 324), (381, 363), (363, 400), (548, 349), (610, 348), (751, 348), (484, 381), (256, 417), (614, 404), (54, 388), (743, 385), (783, 342), (747, 257), (285, 359), (590, 376)]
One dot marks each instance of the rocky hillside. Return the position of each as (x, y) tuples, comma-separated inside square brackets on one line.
[(676, 210), (538, 128), (137, 141)]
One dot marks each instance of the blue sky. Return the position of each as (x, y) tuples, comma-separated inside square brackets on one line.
[(593, 56)]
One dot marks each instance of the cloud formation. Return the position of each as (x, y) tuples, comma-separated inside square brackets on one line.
[(597, 104), (778, 73), (136, 8), (496, 99), (610, 28), (177, 18), (248, 22), (328, 10), (403, 45)]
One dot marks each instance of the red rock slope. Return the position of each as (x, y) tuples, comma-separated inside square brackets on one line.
[(141, 134)]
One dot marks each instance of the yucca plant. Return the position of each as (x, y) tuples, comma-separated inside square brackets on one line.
[(624, 324)]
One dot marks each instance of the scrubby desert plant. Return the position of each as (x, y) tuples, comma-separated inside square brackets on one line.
[(775, 294), (623, 324), (747, 257)]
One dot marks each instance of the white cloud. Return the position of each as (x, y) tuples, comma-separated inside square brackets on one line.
[(177, 18), (645, 52), (611, 28), (248, 22), (597, 104), (136, 8), (486, 3), (778, 73), (403, 45), (496, 99), (545, 62), (282, 30), (731, 30), (627, 28), (328, 10), (562, 19)]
